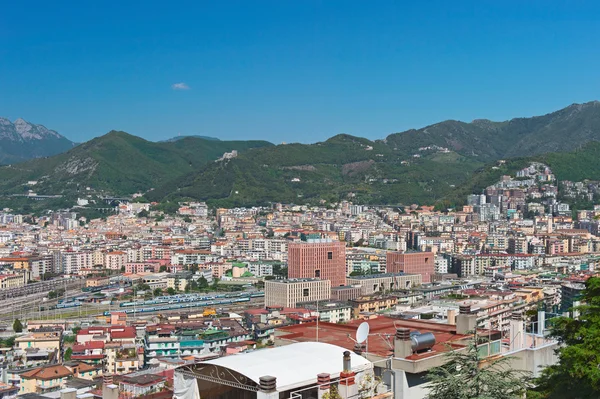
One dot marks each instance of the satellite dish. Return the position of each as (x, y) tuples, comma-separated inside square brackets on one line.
[(362, 332)]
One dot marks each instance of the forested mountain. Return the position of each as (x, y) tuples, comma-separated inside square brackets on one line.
[(117, 163), (444, 161)]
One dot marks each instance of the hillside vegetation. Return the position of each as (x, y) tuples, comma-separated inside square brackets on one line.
[(441, 164)]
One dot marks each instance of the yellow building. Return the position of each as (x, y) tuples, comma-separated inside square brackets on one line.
[(11, 280), (372, 304), (44, 338), (177, 283), (44, 379)]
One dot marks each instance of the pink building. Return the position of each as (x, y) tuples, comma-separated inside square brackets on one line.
[(319, 259), (219, 269), (411, 262)]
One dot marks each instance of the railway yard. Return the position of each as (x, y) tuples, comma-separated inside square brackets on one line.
[(76, 302)]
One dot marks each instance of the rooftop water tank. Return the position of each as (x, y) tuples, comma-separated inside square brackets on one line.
[(422, 341)]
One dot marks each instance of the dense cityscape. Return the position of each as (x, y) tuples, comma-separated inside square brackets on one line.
[(299, 200), (142, 303)]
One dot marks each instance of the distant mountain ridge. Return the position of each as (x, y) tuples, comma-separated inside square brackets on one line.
[(421, 166), (21, 140), (193, 135), (488, 140), (117, 163)]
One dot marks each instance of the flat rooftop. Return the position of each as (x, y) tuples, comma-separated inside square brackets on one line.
[(382, 332)]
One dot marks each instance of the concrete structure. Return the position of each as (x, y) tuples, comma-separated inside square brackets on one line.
[(318, 259), (412, 262), (289, 293), (284, 372), (376, 283)]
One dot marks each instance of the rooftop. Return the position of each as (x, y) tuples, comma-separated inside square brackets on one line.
[(382, 331), (293, 365)]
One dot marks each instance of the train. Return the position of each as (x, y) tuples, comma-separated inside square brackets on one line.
[(184, 305), (104, 287), (184, 298), (65, 305)]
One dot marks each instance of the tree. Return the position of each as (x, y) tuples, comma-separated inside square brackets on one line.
[(68, 354), (171, 291), (577, 373), (202, 283), (52, 295), (143, 213), (17, 326), (162, 269), (157, 292), (465, 376)]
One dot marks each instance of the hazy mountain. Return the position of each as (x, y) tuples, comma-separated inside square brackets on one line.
[(21, 140)]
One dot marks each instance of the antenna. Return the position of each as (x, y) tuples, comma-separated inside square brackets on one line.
[(362, 333)]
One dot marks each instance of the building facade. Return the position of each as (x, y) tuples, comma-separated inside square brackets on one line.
[(318, 259), (412, 262), (288, 293)]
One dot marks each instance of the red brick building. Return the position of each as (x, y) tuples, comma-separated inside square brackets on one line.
[(411, 262), (321, 259)]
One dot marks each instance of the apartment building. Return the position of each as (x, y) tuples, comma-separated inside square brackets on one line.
[(288, 293), (412, 262), (321, 259)]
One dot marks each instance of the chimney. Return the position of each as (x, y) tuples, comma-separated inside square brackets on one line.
[(517, 337), (347, 386), (267, 388), (402, 343), (541, 327), (323, 380), (68, 393), (347, 367), (451, 316), (110, 391), (466, 321)]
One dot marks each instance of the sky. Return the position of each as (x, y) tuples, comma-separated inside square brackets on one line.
[(291, 71)]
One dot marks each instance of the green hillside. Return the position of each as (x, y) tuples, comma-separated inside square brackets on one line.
[(563, 130), (441, 164), (335, 169), (117, 163), (578, 165)]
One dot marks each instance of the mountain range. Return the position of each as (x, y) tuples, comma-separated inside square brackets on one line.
[(438, 163), (21, 140)]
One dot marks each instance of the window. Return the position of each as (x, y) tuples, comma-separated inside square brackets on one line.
[(305, 292), (329, 255), (317, 273)]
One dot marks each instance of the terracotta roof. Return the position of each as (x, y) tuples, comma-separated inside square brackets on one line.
[(47, 373)]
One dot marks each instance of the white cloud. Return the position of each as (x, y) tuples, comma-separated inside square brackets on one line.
[(180, 86)]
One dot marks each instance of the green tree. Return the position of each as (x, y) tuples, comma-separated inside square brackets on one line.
[(466, 376), (157, 292), (143, 213), (162, 269), (171, 291), (52, 295), (17, 326), (202, 283), (577, 373), (68, 354)]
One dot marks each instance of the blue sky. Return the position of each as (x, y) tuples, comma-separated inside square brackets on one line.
[(291, 70)]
